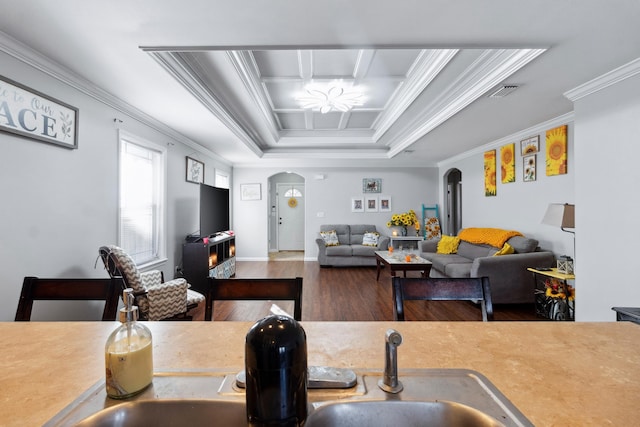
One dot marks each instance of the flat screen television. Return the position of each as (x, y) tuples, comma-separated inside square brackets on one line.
[(214, 210)]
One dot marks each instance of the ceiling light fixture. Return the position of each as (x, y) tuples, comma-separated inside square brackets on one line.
[(332, 97)]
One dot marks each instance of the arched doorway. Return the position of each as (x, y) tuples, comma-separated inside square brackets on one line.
[(453, 181), (286, 212)]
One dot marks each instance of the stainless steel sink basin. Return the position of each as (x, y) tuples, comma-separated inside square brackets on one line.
[(439, 397), (170, 412), (399, 413)]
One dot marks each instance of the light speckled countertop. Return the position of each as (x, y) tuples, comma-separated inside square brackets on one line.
[(556, 373)]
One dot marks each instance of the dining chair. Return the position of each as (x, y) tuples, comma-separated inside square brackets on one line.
[(36, 288), (262, 289), (442, 289)]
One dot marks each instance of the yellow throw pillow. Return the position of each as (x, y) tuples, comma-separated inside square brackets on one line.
[(506, 250), (448, 245)]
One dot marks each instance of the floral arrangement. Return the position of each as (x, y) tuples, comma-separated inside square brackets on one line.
[(554, 289), (556, 300), (406, 219)]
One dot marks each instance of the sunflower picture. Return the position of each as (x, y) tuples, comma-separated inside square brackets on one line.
[(490, 173), (530, 145), (508, 163), (557, 151), (529, 168)]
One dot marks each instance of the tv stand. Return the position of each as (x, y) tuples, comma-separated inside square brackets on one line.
[(217, 258)]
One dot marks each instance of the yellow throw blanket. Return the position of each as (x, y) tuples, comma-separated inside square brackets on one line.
[(490, 236)]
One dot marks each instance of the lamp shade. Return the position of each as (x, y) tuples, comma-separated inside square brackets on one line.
[(560, 215)]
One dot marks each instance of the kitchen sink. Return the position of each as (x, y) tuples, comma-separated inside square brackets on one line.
[(399, 413), (439, 397)]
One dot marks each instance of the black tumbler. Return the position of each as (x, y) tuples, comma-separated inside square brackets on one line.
[(276, 372)]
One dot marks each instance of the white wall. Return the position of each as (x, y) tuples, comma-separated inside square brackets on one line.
[(518, 205), (331, 197), (607, 128), (59, 206)]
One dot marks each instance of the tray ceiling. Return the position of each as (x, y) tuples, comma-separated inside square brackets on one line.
[(406, 93)]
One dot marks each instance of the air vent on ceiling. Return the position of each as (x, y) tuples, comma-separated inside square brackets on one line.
[(503, 91)]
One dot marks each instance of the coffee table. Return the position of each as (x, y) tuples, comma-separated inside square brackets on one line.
[(396, 262)]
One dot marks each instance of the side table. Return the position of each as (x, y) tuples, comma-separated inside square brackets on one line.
[(407, 242), (554, 297)]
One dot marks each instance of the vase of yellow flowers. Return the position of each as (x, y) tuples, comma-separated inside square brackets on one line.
[(400, 222)]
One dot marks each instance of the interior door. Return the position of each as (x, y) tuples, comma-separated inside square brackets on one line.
[(290, 217)]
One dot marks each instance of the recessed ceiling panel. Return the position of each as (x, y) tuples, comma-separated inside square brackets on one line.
[(334, 63), (326, 121), (377, 92), (291, 121), (283, 94), (277, 63), (392, 62), (361, 120)]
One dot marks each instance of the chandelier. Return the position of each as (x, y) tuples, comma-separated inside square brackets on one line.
[(333, 97)]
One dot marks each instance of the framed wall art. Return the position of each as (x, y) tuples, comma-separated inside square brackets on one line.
[(530, 145), (250, 192), (372, 185), (195, 171), (357, 204), (384, 204), (371, 204), (556, 151), (490, 173), (28, 113), (508, 163), (529, 168)]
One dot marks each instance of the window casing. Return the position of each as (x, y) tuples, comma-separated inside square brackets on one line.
[(141, 214)]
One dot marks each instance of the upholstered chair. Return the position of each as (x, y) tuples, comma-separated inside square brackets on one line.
[(155, 298)]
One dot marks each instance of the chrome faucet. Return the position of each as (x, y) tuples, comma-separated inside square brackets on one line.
[(389, 382)]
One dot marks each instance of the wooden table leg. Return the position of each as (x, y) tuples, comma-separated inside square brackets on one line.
[(377, 269)]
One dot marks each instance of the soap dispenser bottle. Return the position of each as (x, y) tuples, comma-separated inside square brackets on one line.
[(276, 372), (128, 353)]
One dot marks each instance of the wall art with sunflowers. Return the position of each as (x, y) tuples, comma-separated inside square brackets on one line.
[(508, 163), (557, 151), (490, 173)]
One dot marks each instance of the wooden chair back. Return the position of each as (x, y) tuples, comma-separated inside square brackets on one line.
[(442, 289), (255, 290), (35, 288)]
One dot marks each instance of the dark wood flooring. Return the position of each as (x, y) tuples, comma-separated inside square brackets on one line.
[(351, 293)]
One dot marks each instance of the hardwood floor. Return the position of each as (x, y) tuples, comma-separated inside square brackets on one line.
[(351, 293)]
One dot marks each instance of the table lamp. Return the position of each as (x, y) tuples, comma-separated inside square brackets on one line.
[(563, 216)]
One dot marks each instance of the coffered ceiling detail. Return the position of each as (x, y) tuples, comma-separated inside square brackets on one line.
[(406, 93)]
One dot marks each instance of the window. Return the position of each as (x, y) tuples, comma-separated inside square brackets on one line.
[(142, 189), (293, 192), (222, 180)]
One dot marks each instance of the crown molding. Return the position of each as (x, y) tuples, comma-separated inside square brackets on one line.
[(245, 65), (428, 66), (486, 72), (186, 73), (525, 133), (612, 77), (36, 60)]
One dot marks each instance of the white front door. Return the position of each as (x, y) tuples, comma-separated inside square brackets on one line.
[(290, 217)]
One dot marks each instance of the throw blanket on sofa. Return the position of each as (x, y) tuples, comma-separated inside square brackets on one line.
[(490, 236)]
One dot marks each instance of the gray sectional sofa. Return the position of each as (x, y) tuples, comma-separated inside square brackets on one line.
[(510, 281), (350, 252)]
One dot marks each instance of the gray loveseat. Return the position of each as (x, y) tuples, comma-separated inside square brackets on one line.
[(510, 281), (351, 251)]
